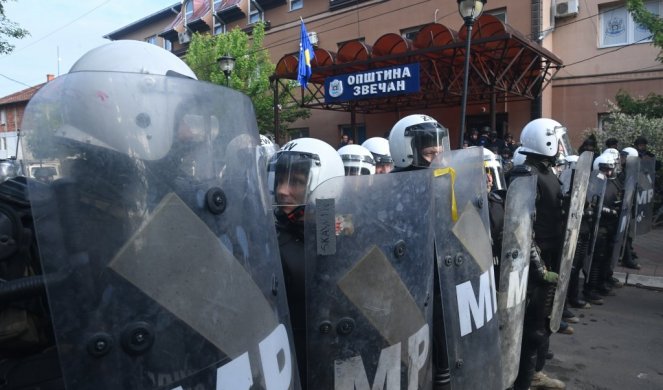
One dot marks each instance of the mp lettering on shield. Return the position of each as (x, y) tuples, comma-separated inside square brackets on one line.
[(276, 365), (479, 308), (351, 373)]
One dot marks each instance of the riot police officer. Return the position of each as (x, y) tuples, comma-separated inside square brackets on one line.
[(357, 160), (541, 140), (158, 267), (379, 148), (294, 172), (596, 283), (415, 141)]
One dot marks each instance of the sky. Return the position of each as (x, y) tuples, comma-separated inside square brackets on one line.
[(67, 27)]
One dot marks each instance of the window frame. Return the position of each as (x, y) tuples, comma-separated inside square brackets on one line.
[(153, 40), (188, 14), (221, 24), (167, 45), (300, 2), (253, 11), (630, 28)]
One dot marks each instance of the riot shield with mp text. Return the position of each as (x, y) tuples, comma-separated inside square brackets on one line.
[(574, 212), (519, 214), (157, 244), (369, 281), (465, 268), (594, 205), (644, 197), (630, 176)]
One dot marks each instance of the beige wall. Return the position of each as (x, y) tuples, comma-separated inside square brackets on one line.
[(580, 90)]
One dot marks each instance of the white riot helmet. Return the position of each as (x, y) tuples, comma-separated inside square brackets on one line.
[(545, 137), (607, 164), (129, 96), (129, 56), (518, 158), (357, 160), (379, 147), (614, 156), (629, 151), (297, 169), (493, 165), (411, 135)]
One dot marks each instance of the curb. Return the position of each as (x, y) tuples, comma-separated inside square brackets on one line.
[(641, 280)]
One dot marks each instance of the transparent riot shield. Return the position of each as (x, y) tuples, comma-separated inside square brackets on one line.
[(465, 268), (574, 212), (630, 182), (644, 197), (594, 205), (519, 213), (369, 282), (159, 249)]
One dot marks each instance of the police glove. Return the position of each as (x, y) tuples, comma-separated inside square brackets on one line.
[(550, 277), (607, 211)]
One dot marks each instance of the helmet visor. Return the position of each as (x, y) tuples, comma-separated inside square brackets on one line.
[(356, 164), (290, 177), (429, 139)]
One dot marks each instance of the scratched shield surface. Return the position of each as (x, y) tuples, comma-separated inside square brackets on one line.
[(519, 213), (369, 280), (630, 181), (574, 213), (644, 197), (466, 282), (162, 270), (595, 195)]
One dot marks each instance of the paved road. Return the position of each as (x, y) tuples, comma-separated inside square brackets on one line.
[(615, 346)]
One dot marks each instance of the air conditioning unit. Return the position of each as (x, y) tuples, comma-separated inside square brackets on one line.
[(183, 37), (566, 8)]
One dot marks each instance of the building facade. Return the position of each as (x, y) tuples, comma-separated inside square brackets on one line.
[(603, 52)]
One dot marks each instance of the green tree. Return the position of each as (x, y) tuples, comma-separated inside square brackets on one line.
[(250, 75), (8, 29), (653, 22), (631, 121)]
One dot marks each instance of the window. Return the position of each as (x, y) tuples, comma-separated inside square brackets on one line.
[(618, 28), (219, 26), (152, 40), (217, 3), (358, 136), (410, 33), (297, 133), (255, 12), (3, 117), (188, 9), (168, 45), (296, 4), (499, 14), (604, 121)]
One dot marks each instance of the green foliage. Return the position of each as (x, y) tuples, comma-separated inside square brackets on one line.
[(250, 75), (652, 21), (650, 107), (9, 29), (627, 127)]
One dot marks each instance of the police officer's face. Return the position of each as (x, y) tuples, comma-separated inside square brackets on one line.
[(429, 153), (383, 168), (489, 181), (291, 191)]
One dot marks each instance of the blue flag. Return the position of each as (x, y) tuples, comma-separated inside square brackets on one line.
[(306, 54)]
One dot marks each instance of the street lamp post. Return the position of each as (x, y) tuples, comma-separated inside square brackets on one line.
[(226, 64), (469, 10)]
